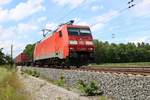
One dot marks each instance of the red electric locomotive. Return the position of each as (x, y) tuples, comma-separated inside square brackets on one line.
[(22, 59), (68, 45)]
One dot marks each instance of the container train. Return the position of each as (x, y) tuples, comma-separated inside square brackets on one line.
[(68, 45)]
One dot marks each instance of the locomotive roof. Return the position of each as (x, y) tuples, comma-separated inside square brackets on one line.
[(62, 26), (78, 26)]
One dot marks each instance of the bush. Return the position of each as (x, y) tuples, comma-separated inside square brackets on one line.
[(61, 81), (32, 72), (88, 89)]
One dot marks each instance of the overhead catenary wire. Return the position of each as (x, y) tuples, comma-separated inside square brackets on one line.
[(104, 21), (121, 11), (71, 11)]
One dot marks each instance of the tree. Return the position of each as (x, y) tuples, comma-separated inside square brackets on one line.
[(2, 57), (8, 59), (29, 49)]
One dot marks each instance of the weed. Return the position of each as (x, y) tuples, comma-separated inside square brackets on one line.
[(61, 81), (90, 89), (32, 72)]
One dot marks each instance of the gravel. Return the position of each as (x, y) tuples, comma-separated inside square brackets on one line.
[(39, 89), (119, 86)]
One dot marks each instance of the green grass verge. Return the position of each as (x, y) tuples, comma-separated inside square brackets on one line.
[(136, 64), (10, 85)]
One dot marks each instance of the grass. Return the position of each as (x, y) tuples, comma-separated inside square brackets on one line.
[(31, 72), (10, 85), (61, 81), (135, 64)]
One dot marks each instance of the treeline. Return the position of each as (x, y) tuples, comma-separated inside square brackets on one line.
[(121, 53), (4, 59)]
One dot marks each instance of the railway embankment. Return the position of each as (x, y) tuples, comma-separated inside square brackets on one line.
[(39, 89), (118, 86)]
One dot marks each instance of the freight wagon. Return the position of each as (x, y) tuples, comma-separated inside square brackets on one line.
[(22, 59)]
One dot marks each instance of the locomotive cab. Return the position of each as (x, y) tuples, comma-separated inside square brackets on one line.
[(81, 47)]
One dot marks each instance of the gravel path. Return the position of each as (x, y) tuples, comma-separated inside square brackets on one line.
[(39, 89)]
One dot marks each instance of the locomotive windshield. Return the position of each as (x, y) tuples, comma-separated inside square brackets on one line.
[(73, 31), (79, 31)]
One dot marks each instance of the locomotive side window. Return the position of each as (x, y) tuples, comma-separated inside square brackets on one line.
[(73, 31), (60, 33)]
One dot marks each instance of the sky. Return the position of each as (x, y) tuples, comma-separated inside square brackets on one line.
[(21, 21)]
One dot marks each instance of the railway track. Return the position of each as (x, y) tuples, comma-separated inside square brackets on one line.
[(121, 70), (124, 70)]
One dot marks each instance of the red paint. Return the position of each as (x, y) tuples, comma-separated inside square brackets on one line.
[(57, 46), (21, 58)]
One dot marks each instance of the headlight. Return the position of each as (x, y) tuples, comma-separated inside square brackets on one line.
[(73, 42), (89, 43)]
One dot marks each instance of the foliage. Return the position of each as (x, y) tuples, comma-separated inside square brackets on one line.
[(90, 89), (61, 81), (10, 86), (32, 72), (121, 53), (8, 59), (4, 59), (29, 49)]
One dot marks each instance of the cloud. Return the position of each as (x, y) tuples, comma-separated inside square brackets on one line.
[(83, 23), (9, 37), (51, 25), (71, 3), (16, 35), (96, 7), (26, 9), (41, 19), (101, 20), (26, 27), (142, 8), (3, 2), (6, 45), (3, 15), (22, 10), (97, 22)]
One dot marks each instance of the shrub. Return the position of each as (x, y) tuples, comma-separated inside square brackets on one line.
[(61, 81), (90, 89), (32, 72), (36, 74)]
